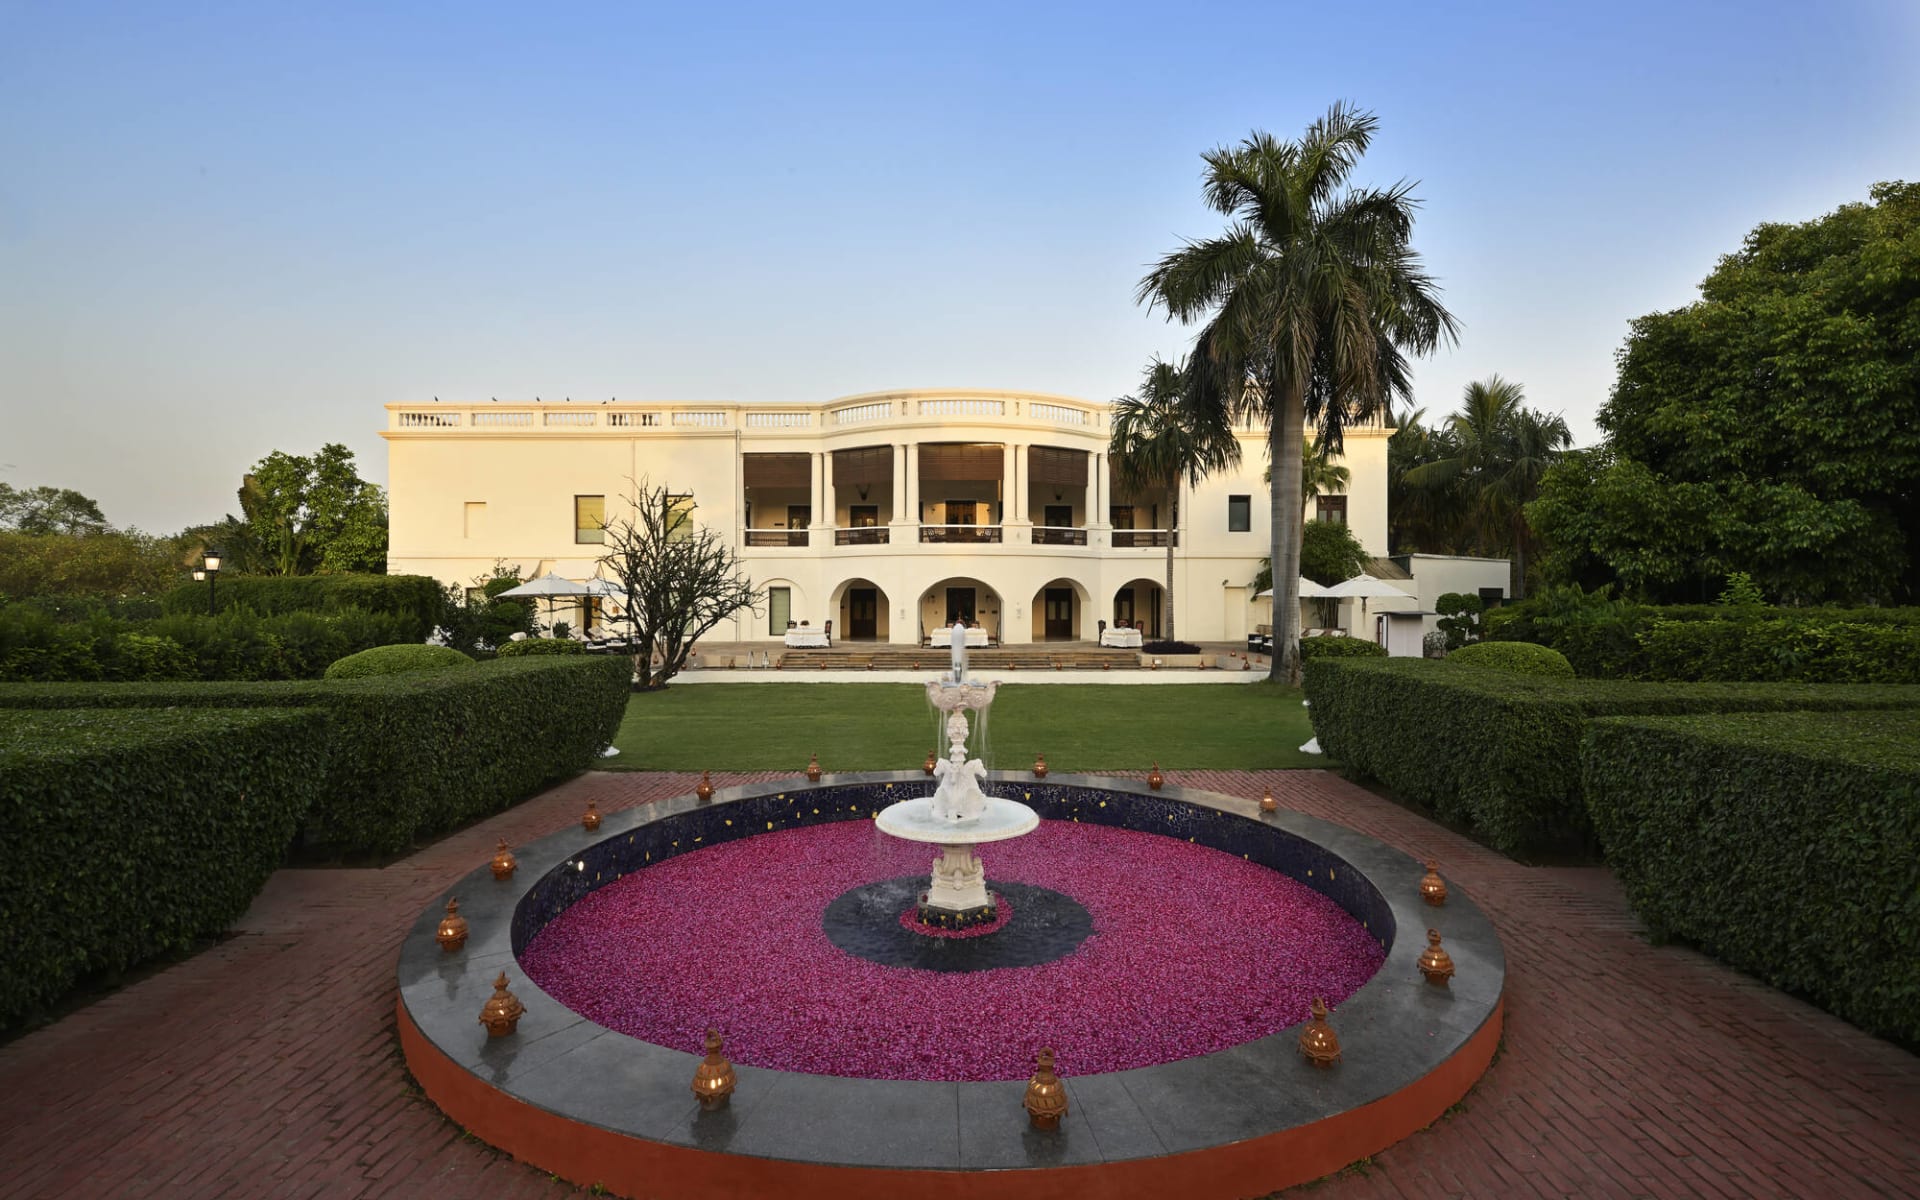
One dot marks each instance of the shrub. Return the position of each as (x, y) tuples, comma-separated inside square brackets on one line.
[(1340, 646), (1803, 648), (414, 754), (236, 645), (131, 834), (1459, 617), (1166, 647), (415, 599), (397, 660), (1807, 826), (1522, 658), (1500, 751), (1433, 644), (538, 646)]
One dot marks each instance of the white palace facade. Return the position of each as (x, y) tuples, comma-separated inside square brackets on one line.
[(888, 514)]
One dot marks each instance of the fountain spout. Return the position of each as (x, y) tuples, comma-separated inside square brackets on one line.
[(959, 650)]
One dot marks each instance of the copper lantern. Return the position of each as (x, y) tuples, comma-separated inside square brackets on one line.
[(503, 863), (1039, 766), (1155, 778), (1433, 889), (452, 933), (1435, 963), (813, 768), (1046, 1100), (1317, 1040), (503, 1010), (928, 765), (590, 820), (713, 1078), (705, 790), (1268, 803)]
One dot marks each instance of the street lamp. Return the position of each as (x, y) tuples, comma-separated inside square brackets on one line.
[(212, 565)]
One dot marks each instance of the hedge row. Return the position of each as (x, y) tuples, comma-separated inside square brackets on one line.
[(131, 834), (410, 755), (1806, 826), (1500, 751), (1340, 646), (1697, 643), (236, 645), (415, 598)]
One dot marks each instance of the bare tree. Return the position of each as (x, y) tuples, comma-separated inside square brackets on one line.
[(680, 580)]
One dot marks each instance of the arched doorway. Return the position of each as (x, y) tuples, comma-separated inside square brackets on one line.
[(960, 598), (1138, 604), (1058, 612), (861, 612)]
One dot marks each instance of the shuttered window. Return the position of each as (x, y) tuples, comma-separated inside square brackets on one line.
[(960, 460), (777, 470), (1055, 466)]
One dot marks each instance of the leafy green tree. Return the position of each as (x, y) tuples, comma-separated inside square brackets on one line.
[(1495, 452), (1309, 303), (46, 510), (1771, 427), (1160, 439), (306, 515)]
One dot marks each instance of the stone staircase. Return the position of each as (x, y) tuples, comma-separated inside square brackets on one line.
[(1042, 656)]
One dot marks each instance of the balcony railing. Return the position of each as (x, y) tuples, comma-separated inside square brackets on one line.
[(1044, 535), (959, 533), (865, 535), (776, 537), (1144, 538)]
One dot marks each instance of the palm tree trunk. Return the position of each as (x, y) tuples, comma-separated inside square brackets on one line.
[(1518, 588), (1173, 526), (1283, 444)]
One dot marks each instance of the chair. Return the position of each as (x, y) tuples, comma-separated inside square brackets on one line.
[(827, 626)]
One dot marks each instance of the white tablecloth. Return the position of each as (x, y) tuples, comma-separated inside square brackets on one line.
[(976, 638), (806, 638), (1126, 639)]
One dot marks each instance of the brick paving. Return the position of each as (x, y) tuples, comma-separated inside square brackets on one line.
[(266, 1066)]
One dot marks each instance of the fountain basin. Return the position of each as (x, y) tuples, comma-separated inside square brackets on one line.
[(914, 820)]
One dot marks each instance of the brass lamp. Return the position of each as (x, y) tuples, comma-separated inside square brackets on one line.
[(1435, 963), (928, 765), (713, 1078), (1046, 1100), (705, 790), (1433, 889), (452, 933), (1155, 778), (590, 820), (1268, 803), (1317, 1040), (503, 1010), (813, 768), (503, 863), (1039, 766)]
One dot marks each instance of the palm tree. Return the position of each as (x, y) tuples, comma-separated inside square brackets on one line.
[(1159, 439), (1311, 300), (1318, 472), (1500, 449)]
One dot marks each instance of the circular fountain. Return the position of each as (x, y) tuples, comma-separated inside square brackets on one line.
[(958, 816)]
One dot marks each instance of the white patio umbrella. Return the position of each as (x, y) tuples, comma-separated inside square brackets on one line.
[(547, 587), (1308, 590), (1364, 588)]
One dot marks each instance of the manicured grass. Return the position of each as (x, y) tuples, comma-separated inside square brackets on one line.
[(889, 726)]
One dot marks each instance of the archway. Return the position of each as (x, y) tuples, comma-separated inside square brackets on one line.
[(1059, 611), (964, 598), (861, 612), (1138, 603)]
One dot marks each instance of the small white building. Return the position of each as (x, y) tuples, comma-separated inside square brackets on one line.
[(1402, 625)]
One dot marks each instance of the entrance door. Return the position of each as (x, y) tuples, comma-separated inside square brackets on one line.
[(1059, 612), (959, 605), (779, 610), (863, 608), (1123, 608)]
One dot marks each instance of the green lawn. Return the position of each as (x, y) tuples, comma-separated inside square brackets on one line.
[(888, 726)]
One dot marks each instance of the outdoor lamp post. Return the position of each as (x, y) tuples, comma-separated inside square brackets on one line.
[(212, 564)]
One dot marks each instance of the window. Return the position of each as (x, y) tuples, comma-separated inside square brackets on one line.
[(476, 512), (476, 595), (1239, 514), (779, 610), (864, 516), (1120, 516), (1333, 509), (589, 519), (679, 518)]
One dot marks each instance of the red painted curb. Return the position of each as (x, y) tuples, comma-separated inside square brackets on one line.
[(636, 1167)]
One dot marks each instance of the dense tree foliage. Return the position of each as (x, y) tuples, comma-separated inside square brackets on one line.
[(1771, 427), (1309, 303), (1463, 488), (1159, 439), (304, 515), (44, 510)]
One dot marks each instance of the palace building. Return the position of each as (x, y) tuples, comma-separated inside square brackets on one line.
[(889, 514)]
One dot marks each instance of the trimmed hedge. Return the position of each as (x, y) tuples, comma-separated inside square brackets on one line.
[(130, 834), (416, 598), (234, 645), (397, 660), (410, 755), (1710, 642), (1500, 751), (1340, 646), (536, 647), (1783, 844), (1521, 658)]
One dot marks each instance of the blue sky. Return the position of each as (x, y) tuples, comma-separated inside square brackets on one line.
[(228, 229)]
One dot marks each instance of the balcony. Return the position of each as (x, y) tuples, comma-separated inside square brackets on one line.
[(776, 537), (1044, 535), (865, 535), (1145, 538), (960, 533)]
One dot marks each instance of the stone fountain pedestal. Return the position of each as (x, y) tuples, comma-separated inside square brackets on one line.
[(958, 816)]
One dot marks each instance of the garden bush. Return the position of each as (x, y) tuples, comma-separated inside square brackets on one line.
[(134, 833), (1340, 646), (1500, 751), (1806, 825), (1522, 658), (397, 660), (538, 646), (1460, 614), (414, 754), (236, 645), (414, 599)]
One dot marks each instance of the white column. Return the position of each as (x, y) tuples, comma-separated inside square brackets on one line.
[(1023, 482), (814, 489), (913, 482), (899, 484), (1102, 492), (825, 515), (1008, 480)]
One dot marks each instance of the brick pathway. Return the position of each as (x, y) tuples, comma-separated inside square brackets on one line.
[(266, 1066)]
